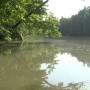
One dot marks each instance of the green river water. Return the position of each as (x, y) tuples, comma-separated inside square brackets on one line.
[(59, 65)]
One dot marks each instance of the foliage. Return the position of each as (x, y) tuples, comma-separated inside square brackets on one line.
[(11, 11), (51, 26), (77, 25)]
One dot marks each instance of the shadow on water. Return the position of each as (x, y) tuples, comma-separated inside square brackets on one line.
[(20, 65)]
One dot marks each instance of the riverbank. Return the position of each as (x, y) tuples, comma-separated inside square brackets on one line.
[(45, 40)]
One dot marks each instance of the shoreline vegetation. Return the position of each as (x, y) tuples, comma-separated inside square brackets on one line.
[(77, 25), (43, 40), (26, 18)]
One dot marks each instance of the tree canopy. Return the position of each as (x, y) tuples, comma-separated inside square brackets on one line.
[(77, 25), (13, 12)]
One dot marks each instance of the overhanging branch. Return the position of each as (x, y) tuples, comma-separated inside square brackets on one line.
[(30, 13)]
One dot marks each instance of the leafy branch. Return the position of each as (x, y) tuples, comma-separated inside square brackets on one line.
[(29, 14)]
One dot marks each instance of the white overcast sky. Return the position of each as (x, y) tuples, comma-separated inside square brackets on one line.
[(66, 8)]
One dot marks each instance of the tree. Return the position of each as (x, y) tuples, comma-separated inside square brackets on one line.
[(19, 11), (77, 25), (50, 26)]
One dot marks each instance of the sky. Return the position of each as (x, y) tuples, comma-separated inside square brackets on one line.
[(66, 8)]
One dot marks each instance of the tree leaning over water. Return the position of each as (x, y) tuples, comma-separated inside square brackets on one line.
[(31, 13)]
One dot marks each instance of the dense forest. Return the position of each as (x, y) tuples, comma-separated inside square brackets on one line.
[(21, 18), (77, 25)]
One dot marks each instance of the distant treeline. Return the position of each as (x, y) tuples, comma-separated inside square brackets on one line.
[(77, 25)]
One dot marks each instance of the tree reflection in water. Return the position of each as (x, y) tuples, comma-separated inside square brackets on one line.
[(70, 86), (20, 67)]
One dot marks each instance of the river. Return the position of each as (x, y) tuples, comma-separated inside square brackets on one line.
[(56, 65)]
